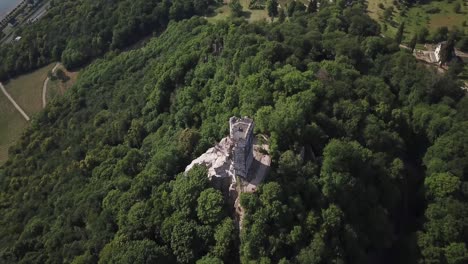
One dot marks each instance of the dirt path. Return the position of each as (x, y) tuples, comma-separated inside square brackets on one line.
[(404, 47), (44, 86), (14, 103), (461, 54)]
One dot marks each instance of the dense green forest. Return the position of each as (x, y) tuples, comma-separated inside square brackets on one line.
[(74, 32), (97, 178)]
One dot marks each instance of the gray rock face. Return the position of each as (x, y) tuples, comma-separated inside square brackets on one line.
[(217, 159)]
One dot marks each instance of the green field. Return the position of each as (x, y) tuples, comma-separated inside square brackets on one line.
[(27, 89), (418, 16), (224, 11), (27, 92), (12, 124)]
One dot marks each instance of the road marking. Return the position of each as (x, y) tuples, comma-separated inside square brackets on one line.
[(14, 103)]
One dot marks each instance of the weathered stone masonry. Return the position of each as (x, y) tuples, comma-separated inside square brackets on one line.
[(241, 134), (233, 155)]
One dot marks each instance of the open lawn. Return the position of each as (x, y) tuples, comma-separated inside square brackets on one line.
[(27, 89), (12, 124), (375, 12), (58, 87), (27, 92), (221, 13), (433, 15), (224, 11)]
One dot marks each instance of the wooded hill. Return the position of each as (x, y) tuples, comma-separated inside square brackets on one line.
[(97, 178), (75, 32)]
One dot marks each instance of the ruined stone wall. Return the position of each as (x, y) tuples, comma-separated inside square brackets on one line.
[(249, 158), (240, 157), (241, 132)]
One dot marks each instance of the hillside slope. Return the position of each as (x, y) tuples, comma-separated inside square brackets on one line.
[(96, 178)]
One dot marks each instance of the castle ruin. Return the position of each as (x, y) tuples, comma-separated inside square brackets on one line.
[(238, 163), (233, 155), (241, 134)]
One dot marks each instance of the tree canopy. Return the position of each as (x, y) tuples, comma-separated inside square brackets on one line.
[(369, 148)]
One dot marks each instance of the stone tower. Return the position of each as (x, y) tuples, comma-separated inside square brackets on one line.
[(241, 134)]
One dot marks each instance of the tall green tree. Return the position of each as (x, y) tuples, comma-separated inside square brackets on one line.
[(447, 51), (388, 13), (457, 7), (281, 15), (413, 42), (291, 8), (210, 206), (272, 8), (312, 6), (400, 32), (236, 8), (422, 34)]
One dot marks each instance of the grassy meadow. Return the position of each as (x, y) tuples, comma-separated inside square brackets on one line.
[(27, 89), (224, 12), (12, 124), (432, 15), (251, 15)]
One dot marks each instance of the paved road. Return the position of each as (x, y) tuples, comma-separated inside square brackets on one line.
[(44, 86), (14, 103)]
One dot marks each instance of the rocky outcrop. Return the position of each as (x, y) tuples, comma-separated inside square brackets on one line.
[(217, 159)]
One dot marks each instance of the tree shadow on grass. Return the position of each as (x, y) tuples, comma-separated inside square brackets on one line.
[(246, 14), (212, 11)]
